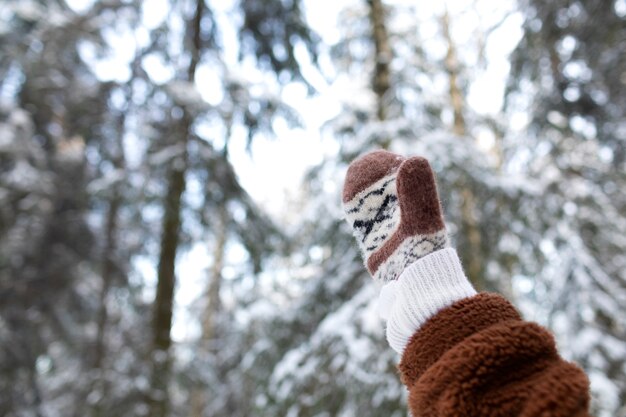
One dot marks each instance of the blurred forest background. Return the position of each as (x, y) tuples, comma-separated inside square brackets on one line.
[(171, 237)]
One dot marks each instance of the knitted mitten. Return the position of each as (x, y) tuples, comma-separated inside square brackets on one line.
[(392, 204)]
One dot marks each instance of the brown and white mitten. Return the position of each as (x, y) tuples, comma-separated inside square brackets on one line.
[(393, 206)]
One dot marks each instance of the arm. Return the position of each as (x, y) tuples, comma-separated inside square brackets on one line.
[(463, 354), (477, 357)]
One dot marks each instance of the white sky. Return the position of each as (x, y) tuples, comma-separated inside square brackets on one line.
[(299, 149), (282, 161)]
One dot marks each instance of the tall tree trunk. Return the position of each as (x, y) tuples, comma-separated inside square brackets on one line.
[(213, 307), (163, 305), (107, 271), (381, 82), (35, 392), (452, 68), (469, 226)]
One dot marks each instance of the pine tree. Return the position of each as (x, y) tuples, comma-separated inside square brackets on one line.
[(246, 104), (569, 51), (55, 114), (69, 185)]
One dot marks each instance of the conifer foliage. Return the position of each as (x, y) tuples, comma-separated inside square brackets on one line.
[(122, 124)]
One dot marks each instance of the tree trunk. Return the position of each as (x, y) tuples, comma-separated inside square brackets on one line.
[(209, 321), (99, 382), (452, 68), (107, 271), (163, 305), (381, 82), (213, 307), (36, 393), (469, 223)]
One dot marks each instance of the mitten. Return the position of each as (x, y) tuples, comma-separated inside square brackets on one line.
[(393, 206)]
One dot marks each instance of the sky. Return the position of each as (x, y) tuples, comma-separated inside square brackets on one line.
[(301, 148), (281, 161)]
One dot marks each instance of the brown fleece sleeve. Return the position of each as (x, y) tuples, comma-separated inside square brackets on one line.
[(478, 358)]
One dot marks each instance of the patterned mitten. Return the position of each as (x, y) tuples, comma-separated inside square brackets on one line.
[(393, 207)]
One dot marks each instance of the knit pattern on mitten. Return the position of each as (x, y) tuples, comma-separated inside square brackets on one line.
[(393, 207)]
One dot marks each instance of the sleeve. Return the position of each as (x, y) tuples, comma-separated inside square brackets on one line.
[(478, 358)]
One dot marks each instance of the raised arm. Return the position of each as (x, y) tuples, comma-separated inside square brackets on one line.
[(462, 353)]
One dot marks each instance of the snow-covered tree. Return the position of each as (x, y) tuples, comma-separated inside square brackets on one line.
[(103, 128), (341, 364), (119, 120), (568, 75)]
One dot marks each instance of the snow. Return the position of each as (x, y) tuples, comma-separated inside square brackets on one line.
[(24, 177), (165, 155), (28, 10), (108, 181), (186, 94), (305, 330)]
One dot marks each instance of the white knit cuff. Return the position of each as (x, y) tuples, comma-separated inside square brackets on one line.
[(427, 286)]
